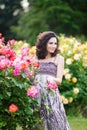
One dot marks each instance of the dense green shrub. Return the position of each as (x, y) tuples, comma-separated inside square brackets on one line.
[(16, 77), (74, 85)]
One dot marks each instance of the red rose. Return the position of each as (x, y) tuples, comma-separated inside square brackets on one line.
[(13, 108)]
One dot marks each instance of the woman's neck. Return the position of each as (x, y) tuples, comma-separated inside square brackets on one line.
[(48, 56)]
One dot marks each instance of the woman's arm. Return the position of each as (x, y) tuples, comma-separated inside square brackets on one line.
[(60, 69)]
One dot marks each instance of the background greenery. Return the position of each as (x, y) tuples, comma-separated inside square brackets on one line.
[(67, 17), (8, 17)]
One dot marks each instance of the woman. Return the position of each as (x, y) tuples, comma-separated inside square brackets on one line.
[(51, 71)]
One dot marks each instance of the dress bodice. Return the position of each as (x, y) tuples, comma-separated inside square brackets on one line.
[(48, 68)]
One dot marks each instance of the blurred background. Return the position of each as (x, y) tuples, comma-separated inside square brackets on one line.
[(24, 19)]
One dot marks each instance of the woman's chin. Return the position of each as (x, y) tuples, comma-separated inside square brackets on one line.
[(52, 52)]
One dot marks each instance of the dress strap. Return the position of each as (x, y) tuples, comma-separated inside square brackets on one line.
[(55, 59)]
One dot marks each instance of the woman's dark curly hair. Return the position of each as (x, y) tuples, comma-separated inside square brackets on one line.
[(41, 44)]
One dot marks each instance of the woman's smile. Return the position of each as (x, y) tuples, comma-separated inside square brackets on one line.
[(52, 45)]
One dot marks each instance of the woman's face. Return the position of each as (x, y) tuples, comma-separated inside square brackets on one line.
[(52, 45)]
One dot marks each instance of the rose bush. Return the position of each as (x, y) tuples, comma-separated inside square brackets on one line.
[(18, 105), (74, 86), (16, 77)]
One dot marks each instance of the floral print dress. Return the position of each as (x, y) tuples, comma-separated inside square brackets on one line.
[(52, 110)]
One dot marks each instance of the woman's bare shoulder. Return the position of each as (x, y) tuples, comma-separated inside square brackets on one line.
[(59, 57)]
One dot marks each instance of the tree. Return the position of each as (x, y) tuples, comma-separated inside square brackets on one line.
[(9, 14), (61, 16)]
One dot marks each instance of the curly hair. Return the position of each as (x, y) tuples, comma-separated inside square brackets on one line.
[(41, 44)]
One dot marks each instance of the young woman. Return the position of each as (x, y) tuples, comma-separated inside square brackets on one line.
[(51, 71)]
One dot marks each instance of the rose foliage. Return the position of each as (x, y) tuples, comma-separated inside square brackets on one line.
[(74, 86), (18, 106)]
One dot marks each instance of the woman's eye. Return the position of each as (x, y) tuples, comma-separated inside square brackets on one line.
[(50, 42), (53, 43)]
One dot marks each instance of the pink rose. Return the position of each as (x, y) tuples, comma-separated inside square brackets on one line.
[(33, 92), (52, 85)]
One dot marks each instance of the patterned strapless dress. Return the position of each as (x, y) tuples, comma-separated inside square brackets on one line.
[(52, 111)]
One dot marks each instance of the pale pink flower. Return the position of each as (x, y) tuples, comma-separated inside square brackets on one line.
[(16, 61), (4, 63), (25, 51), (52, 85), (33, 92), (21, 62), (11, 42), (28, 59)]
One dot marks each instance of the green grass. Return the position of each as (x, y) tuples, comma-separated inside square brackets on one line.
[(76, 123)]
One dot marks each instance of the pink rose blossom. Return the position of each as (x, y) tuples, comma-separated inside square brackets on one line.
[(4, 63), (9, 53), (16, 72), (33, 92), (11, 42), (25, 51), (52, 85)]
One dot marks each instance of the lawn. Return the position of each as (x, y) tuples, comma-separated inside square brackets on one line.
[(76, 123)]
